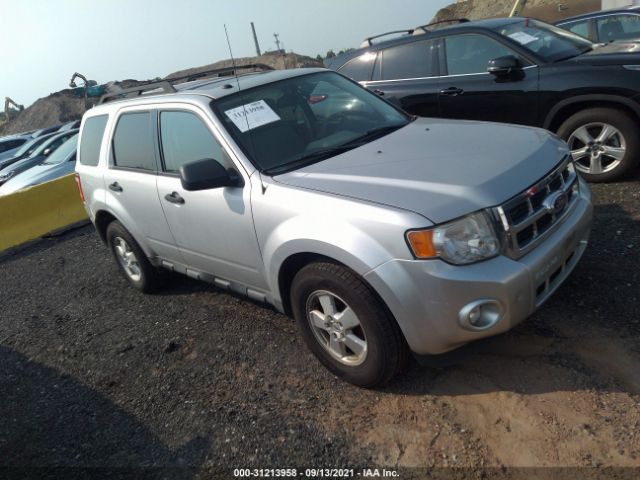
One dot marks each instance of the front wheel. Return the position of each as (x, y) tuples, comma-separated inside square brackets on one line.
[(346, 326), (603, 142)]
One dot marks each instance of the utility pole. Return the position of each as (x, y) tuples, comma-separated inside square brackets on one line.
[(277, 41), (255, 39), (518, 6)]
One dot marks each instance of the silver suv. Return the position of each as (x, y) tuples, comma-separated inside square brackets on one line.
[(381, 233)]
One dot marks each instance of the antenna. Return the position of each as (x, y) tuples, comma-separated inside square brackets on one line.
[(246, 117)]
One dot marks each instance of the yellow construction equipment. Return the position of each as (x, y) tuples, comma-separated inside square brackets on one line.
[(518, 6), (9, 111)]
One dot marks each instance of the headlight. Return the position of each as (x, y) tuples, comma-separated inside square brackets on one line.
[(6, 176), (466, 240)]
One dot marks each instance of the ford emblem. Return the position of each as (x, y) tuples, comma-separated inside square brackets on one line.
[(555, 203)]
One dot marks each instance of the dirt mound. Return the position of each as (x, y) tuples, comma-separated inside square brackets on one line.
[(56, 108), (548, 10), (63, 106), (277, 61)]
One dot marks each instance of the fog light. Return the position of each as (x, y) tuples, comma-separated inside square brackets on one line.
[(480, 315)]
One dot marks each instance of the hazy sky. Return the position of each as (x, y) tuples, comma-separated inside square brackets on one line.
[(43, 42)]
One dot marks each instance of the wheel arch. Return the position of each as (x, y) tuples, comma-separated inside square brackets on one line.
[(102, 220), (297, 261), (564, 109)]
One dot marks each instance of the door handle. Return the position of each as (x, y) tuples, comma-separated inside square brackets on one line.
[(378, 92), (115, 186), (452, 91), (174, 197)]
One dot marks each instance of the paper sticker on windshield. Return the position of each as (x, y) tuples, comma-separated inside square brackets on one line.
[(523, 38), (252, 115)]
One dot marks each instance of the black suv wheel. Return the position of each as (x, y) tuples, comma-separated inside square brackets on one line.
[(603, 141)]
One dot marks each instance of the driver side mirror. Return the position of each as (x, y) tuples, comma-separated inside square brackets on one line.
[(46, 152), (206, 174), (504, 66)]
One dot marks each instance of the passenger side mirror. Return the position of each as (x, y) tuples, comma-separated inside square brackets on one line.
[(206, 174), (46, 152), (504, 66)]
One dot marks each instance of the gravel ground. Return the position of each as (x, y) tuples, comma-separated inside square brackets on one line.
[(196, 382)]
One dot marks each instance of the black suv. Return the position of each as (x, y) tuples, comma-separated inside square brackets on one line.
[(514, 70)]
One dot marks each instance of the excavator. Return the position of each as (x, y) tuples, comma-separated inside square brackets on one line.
[(89, 89), (11, 108)]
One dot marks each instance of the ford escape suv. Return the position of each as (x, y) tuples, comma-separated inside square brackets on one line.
[(382, 234)]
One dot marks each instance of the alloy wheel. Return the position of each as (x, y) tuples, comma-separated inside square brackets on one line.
[(127, 259), (336, 327), (597, 147)]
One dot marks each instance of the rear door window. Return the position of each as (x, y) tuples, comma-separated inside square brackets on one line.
[(359, 68), (92, 134), (133, 142), (580, 27), (185, 138), (411, 60)]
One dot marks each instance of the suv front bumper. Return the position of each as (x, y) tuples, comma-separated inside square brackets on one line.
[(426, 297)]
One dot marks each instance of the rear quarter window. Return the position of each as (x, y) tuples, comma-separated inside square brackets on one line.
[(91, 140), (359, 68)]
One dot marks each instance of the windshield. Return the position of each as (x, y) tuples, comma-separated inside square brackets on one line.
[(291, 123), (30, 146), (62, 152), (51, 144), (549, 42)]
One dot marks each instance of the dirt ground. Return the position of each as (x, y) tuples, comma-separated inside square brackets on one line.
[(192, 382)]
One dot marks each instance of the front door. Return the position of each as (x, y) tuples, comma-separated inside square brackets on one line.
[(468, 91), (213, 228)]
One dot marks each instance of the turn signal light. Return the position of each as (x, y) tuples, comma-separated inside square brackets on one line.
[(421, 242)]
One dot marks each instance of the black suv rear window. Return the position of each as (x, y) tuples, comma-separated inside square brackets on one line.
[(92, 133), (132, 142), (411, 60)]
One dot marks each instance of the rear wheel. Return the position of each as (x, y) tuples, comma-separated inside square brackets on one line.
[(131, 259), (346, 326), (603, 142)]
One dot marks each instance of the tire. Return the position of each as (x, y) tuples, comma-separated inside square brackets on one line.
[(602, 161), (140, 273), (322, 287)]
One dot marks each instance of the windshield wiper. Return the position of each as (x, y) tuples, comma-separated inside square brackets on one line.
[(310, 158), (332, 151)]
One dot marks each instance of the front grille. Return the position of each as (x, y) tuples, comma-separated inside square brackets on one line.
[(533, 214)]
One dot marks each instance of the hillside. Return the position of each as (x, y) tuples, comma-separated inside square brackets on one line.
[(63, 106), (547, 10)]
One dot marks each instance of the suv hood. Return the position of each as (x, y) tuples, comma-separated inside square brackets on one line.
[(614, 53), (440, 169)]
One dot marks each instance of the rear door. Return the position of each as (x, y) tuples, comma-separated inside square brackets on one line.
[(468, 91), (407, 75), (212, 228), (131, 183)]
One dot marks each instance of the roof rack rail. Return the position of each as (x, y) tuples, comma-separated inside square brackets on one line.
[(367, 41), (220, 72), (425, 28), (166, 85)]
